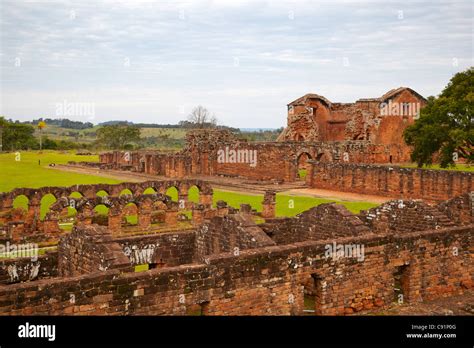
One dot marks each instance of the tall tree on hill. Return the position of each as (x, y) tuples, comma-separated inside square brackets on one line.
[(201, 117), (445, 127), (117, 136), (41, 126)]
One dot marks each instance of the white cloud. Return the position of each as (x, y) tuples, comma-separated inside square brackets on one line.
[(146, 59)]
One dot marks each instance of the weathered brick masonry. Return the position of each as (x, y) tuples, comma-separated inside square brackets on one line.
[(396, 182), (264, 281), (229, 265), (367, 131), (274, 160), (25, 268), (19, 225)]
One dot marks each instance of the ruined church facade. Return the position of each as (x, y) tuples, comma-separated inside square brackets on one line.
[(380, 121)]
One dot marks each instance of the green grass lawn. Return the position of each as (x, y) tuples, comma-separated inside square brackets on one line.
[(27, 173), (285, 205), (458, 167)]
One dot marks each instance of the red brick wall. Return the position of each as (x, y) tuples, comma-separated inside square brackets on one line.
[(459, 209), (27, 269), (397, 182), (266, 281)]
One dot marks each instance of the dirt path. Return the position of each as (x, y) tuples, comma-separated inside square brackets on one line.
[(337, 195), (103, 173)]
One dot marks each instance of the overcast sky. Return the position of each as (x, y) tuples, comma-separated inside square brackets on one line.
[(152, 61)]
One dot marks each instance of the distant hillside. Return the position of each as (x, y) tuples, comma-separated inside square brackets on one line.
[(160, 136)]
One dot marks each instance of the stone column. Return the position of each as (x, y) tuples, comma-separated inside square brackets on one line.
[(33, 215), (51, 223), (222, 208), (269, 203), (246, 209), (171, 217), (144, 218), (183, 197), (198, 214), (205, 198), (310, 172), (115, 221)]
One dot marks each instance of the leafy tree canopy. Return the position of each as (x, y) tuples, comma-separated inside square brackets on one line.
[(118, 136), (445, 127)]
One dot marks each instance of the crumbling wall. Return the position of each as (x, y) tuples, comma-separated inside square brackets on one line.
[(459, 209), (380, 121), (404, 216), (25, 269), (231, 233), (265, 281), (20, 225), (325, 221), (270, 160), (90, 249), (163, 249)]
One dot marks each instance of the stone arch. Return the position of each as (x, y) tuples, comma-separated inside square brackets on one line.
[(21, 202), (125, 191), (130, 214), (173, 192), (102, 193), (101, 214), (193, 193), (302, 165), (149, 190), (46, 202)]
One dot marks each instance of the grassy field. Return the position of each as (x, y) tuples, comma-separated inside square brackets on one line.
[(88, 135), (32, 170), (26, 172), (285, 205), (458, 167)]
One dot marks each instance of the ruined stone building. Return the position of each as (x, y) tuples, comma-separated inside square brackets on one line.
[(225, 261), (367, 131), (378, 120)]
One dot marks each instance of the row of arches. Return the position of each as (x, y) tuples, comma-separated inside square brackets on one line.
[(175, 188), (145, 210), (22, 202)]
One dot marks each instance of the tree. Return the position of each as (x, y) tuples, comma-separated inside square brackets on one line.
[(41, 126), (17, 136), (117, 136), (200, 117), (445, 127), (3, 124)]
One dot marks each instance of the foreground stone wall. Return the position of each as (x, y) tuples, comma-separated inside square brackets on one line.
[(163, 249), (27, 268), (397, 182), (403, 250), (88, 250), (229, 234), (265, 281)]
